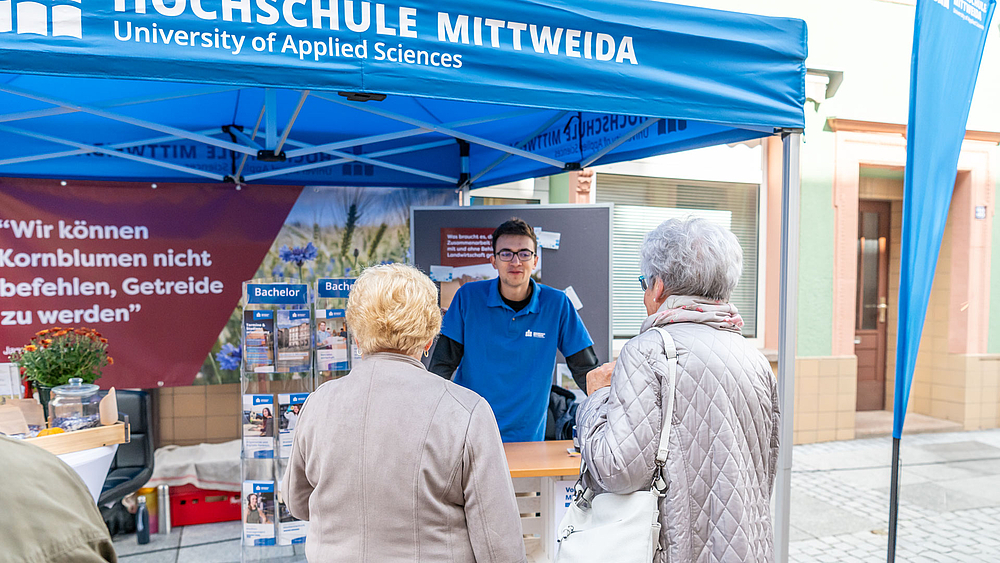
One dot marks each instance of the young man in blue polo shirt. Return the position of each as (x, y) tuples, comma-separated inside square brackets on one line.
[(500, 337)]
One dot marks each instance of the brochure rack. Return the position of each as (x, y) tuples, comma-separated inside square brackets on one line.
[(276, 377), (293, 340), (335, 349)]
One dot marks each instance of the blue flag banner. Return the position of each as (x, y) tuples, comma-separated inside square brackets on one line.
[(948, 39)]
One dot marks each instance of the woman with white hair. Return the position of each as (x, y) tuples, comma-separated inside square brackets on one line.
[(393, 463), (723, 437)]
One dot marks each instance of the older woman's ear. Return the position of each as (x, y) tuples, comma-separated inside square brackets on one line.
[(654, 296), (659, 291)]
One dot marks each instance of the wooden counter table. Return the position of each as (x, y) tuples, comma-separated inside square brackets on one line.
[(543, 474)]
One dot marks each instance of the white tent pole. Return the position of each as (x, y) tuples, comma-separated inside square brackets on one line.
[(521, 144), (787, 311), (628, 135), (446, 131), (247, 140), (372, 139), (129, 120), (352, 158), (270, 118), (112, 152), (253, 137), (115, 103), (50, 156), (291, 121)]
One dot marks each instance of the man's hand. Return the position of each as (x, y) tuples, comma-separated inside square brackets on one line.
[(599, 377)]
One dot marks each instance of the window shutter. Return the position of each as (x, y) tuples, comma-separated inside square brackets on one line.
[(642, 203)]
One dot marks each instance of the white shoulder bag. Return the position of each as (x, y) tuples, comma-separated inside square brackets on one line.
[(613, 528)]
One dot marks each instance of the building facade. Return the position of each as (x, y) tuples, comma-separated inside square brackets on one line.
[(852, 161)]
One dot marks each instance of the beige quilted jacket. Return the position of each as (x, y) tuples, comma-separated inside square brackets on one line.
[(723, 446)]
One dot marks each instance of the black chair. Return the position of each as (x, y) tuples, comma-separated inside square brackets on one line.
[(133, 464)]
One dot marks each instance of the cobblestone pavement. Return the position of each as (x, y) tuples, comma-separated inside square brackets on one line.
[(949, 509)]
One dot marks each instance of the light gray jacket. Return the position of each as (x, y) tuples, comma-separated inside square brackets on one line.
[(393, 463), (723, 445)]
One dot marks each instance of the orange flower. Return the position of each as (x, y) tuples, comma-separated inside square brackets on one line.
[(30, 348), (111, 361), (41, 333), (104, 341), (47, 341), (62, 333)]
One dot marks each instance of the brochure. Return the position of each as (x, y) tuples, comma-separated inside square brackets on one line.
[(292, 335), (258, 426), (331, 340), (258, 512), (289, 405), (291, 530), (10, 381), (258, 341)]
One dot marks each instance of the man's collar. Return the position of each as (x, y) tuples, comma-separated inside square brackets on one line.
[(495, 300)]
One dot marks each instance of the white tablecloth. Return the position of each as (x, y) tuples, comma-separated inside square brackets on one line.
[(206, 466)]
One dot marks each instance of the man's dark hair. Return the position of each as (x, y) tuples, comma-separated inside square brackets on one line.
[(515, 227)]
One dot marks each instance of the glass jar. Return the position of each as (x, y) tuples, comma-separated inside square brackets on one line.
[(75, 406)]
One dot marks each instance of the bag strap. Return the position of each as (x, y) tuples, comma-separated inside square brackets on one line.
[(668, 414), (585, 495)]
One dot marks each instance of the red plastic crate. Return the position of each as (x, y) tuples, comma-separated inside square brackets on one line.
[(191, 505)]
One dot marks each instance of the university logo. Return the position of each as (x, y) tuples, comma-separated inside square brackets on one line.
[(530, 334), (34, 17)]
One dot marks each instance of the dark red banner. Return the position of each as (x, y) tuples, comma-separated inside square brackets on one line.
[(157, 270)]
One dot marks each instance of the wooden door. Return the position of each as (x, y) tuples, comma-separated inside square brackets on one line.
[(872, 303)]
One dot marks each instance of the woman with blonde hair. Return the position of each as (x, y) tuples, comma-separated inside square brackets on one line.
[(393, 463)]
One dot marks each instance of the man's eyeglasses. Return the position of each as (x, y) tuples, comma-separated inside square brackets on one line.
[(508, 255), (642, 282)]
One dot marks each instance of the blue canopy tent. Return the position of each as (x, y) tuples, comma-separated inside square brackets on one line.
[(554, 85), (430, 94)]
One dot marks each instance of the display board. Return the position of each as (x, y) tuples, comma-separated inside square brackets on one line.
[(582, 259)]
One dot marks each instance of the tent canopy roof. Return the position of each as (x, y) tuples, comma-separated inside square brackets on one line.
[(523, 89)]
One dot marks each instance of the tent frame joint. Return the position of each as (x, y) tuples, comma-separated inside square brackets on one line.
[(464, 178), (362, 96), (267, 155), (572, 167)]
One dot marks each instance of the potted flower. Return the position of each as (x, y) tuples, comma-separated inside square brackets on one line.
[(56, 354)]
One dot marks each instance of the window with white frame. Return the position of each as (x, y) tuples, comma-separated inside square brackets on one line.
[(642, 203)]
